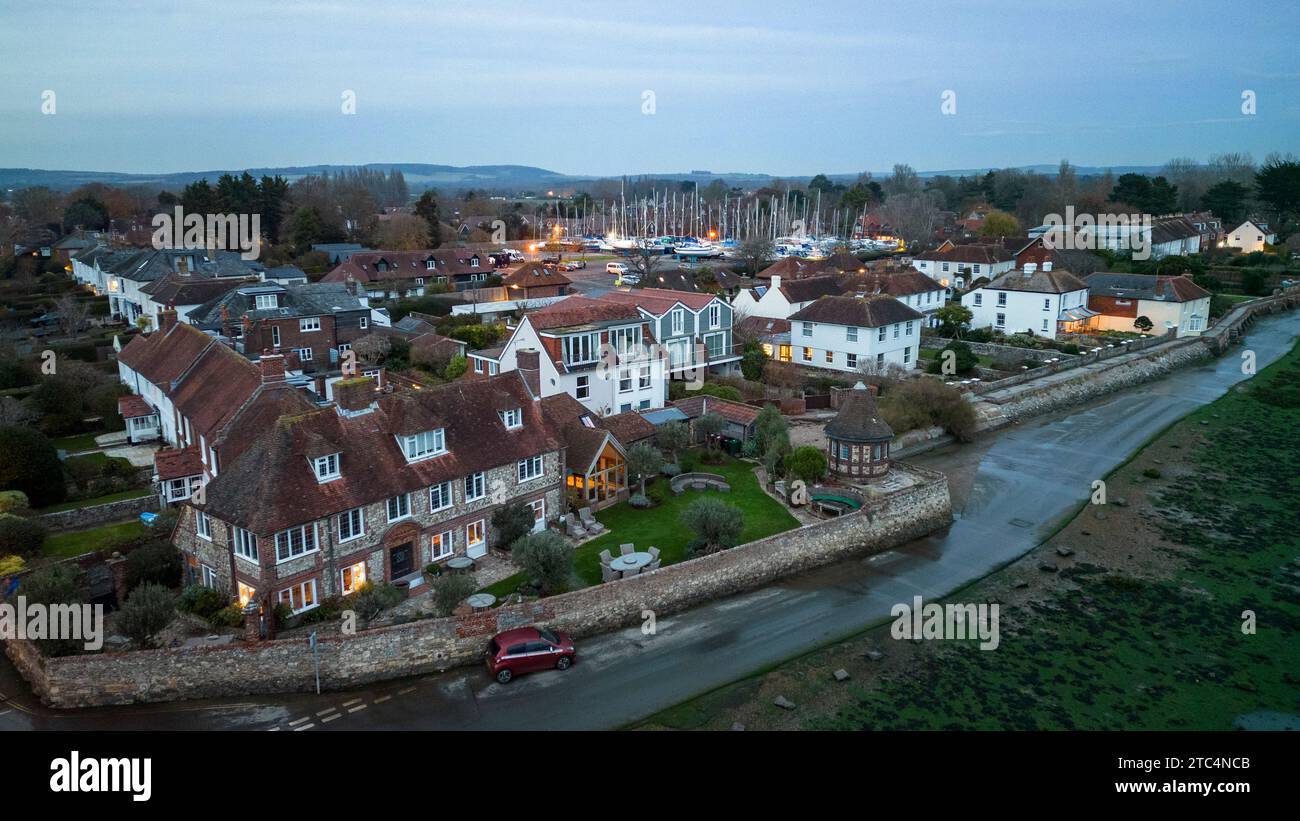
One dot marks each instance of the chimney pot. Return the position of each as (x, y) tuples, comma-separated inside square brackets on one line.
[(166, 318)]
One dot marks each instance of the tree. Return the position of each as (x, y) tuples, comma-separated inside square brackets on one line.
[(643, 260), (30, 463), (148, 609), (20, 536), (372, 348), (56, 584), (511, 522), (1143, 324), (673, 437), (1277, 184), (426, 208), (37, 205), (770, 429), (912, 216), (157, 562), (999, 224), (807, 463), (964, 360), (752, 361), (1227, 201), (73, 314), (449, 590), (716, 524), (954, 319), (88, 213), (709, 426), (547, 558), (455, 369), (402, 232), (643, 461), (755, 252)]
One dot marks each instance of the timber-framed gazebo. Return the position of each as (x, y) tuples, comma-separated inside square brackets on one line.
[(857, 439)]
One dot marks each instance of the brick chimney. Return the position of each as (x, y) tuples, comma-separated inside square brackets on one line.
[(272, 365), (355, 394), (528, 362), (226, 328), (166, 318)]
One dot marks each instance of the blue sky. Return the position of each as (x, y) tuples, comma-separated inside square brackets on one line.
[(789, 88)]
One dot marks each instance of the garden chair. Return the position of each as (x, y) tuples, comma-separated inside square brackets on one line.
[(626, 549), (608, 574), (654, 565), (654, 553), (606, 557), (589, 521)]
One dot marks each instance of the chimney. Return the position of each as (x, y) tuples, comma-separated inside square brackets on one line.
[(528, 362), (1047, 265), (1030, 268), (226, 328), (166, 318), (776, 281), (272, 365), (355, 394)]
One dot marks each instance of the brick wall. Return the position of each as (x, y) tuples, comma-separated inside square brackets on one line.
[(431, 645), (83, 517)]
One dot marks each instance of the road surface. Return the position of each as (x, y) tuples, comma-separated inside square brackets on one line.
[(1009, 489)]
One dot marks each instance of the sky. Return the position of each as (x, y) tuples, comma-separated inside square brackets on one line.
[(605, 88)]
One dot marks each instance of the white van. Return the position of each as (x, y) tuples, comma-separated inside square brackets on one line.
[(615, 268)]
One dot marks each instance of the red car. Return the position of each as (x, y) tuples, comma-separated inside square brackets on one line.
[(527, 650)]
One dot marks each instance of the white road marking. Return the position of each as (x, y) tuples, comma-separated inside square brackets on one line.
[(328, 719), (379, 700), (407, 690), (353, 701), (299, 721), (330, 710), (354, 709), (303, 727)]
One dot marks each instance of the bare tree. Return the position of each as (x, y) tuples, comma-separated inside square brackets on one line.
[(912, 216), (644, 260), (73, 314), (372, 348), (756, 252)]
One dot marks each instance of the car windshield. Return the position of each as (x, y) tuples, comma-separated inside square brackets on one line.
[(549, 636)]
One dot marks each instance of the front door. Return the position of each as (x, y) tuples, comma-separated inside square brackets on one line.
[(401, 560)]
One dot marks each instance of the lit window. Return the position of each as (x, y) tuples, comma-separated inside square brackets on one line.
[(295, 542), (300, 597), (440, 546), (351, 578), (246, 593), (474, 534), (807, 354)]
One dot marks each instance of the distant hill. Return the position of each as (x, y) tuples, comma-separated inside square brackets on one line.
[(419, 176)]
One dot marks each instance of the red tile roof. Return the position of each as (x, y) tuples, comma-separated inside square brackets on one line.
[(659, 301), (171, 463), (580, 310), (697, 406), (130, 406), (534, 275)]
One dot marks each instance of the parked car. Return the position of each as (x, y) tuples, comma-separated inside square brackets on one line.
[(616, 268), (628, 279), (575, 265), (528, 650)]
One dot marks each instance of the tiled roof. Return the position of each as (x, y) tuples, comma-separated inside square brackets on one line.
[(628, 428), (972, 254), (535, 275), (580, 310), (865, 312), (697, 406), (762, 326), (363, 267), (179, 289), (901, 284), (859, 420), (806, 290), (791, 268), (658, 301), (272, 485), (173, 463), (1055, 281), (1146, 286), (133, 405), (315, 299)]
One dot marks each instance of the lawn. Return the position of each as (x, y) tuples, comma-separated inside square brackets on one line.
[(75, 444), (64, 545), (98, 500), (660, 527)]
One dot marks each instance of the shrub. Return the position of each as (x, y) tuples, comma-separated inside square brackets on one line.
[(688, 462), (373, 599), (753, 361), (922, 403), (148, 609), (673, 438), (10, 565), (56, 584), (1151, 473), (548, 558), (158, 562), (450, 590), (716, 524), (964, 360), (639, 500), (202, 601), (328, 610), (13, 501), (807, 463), (281, 613), (770, 429), (512, 522), (709, 426), (19, 536), (30, 463), (232, 615), (455, 369)]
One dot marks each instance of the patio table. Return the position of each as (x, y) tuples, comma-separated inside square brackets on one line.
[(631, 564), (460, 563), (481, 601)]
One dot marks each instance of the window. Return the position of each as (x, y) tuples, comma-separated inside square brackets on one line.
[(1044, 325), (625, 339), (425, 443), (908, 332), (830, 357), (440, 546), (624, 380), (977, 268), (307, 324), (979, 299), (365, 322), (275, 335), (246, 593), (473, 263), (439, 497), (1002, 299), (539, 510), (300, 597), (327, 467), (907, 355), (880, 360), (851, 334), (580, 349), (475, 487), (530, 468), (896, 327), (478, 365), (492, 368), (178, 489), (678, 321), (351, 578), (202, 526), (513, 418), (474, 534), (583, 388), (419, 280), (945, 266), (266, 302), (643, 380), (304, 354), (715, 315), (352, 524), (399, 507), (807, 329), (880, 335), (245, 544), (851, 361), (807, 354), (1001, 321), (295, 542), (210, 578), (429, 264)]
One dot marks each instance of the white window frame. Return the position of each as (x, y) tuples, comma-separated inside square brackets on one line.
[(297, 591), (579, 349), (481, 527), (530, 469), (880, 335), (347, 588), (288, 548), (443, 493), (244, 543), (512, 418), (330, 464), (309, 324), (423, 445), (643, 377), (275, 336), (304, 354), (851, 361), (209, 577), (403, 500), (582, 387), (678, 321), (355, 531), (475, 486), (850, 333), (202, 525), (260, 302), (442, 546), (806, 329), (715, 315), (365, 322)]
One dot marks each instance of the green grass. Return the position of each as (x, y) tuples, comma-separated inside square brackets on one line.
[(64, 545), (660, 527), (98, 500), (73, 444)]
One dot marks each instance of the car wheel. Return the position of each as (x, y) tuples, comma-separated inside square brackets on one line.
[(564, 663), (504, 676)]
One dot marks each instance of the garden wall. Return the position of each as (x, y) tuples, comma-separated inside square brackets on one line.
[(431, 645), (83, 517)]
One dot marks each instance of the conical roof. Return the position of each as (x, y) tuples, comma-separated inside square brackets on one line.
[(859, 419)]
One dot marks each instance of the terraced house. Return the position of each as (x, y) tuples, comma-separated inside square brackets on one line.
[(384, 275), (374, 488)]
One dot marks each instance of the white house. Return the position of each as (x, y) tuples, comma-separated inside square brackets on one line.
[(780, 300), (600, 353), (1169, 302), (1034, 300), (845, 333), (1249, 237), (694, 328), (954, 266), (912, 288)]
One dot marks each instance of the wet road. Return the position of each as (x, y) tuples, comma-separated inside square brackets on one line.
[(1009, 490)]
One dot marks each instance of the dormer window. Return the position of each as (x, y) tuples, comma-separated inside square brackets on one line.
[(678, 321), (473, 263), (429, 264), (581, 349), (423, 445), (327, 467), (266, 302), (513, 418)]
